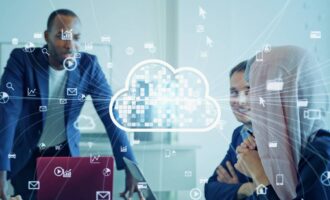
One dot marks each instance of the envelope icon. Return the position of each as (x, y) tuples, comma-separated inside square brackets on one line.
[(103, 195), (33, 185), (71, 92)]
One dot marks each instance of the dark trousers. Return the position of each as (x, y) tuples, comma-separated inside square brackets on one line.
[(28, 173)]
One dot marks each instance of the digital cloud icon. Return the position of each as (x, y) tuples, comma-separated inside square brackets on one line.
[(159, 98), (84, 122)]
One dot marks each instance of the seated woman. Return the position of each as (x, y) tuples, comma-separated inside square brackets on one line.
[(227, 183), (293, 156)]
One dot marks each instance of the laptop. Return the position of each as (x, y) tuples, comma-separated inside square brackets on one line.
[(143, 186), (75, 178)]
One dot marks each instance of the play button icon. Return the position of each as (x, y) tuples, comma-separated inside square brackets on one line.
[(195, 194), (70, 63), (58, 171)]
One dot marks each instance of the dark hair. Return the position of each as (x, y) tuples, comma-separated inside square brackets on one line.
[(238, 68), (52, 16)]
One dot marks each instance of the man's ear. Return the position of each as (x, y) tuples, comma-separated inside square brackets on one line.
[(46, 36)]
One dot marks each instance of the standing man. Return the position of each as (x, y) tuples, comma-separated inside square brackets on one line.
[(227, 183), (47, 93)]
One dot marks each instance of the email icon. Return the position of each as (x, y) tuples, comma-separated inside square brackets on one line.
[(103, 195), (71, 92), (33, 185)]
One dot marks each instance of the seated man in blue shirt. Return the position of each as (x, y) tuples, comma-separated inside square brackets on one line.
[(35, 116), (227, 182)]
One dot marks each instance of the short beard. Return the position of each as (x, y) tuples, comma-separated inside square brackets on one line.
[(56, 58)]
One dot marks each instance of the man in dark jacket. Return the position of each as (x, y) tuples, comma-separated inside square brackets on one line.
[(34, 116)]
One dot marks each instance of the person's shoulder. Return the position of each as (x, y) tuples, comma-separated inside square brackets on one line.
[(26, 53), (20, 57), (321, 136), (237, 131), (321, 143), (88, 63), (323, 132), (18, 52), (87, 57)]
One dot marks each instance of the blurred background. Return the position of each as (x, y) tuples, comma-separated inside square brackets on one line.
[(211, 36)]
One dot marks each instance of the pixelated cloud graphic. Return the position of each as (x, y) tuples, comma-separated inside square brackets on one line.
[(160, 98)]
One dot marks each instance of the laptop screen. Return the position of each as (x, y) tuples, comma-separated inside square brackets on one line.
[(75, 177)]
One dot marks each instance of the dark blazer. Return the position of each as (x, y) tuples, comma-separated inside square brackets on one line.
[(214, 189), (21, 121), (312, 168)]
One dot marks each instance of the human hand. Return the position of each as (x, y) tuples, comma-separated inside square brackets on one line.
[(249, 143), (225, 176), (3, 185), (18, 197), (130, 187), (246, 190), (249, 163)]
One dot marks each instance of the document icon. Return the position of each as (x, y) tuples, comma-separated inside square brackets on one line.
[(103, 195), (272, 144), (302, 103), (71, 92), (37, 35), (33, 185), (275, 85), (315, 35)]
